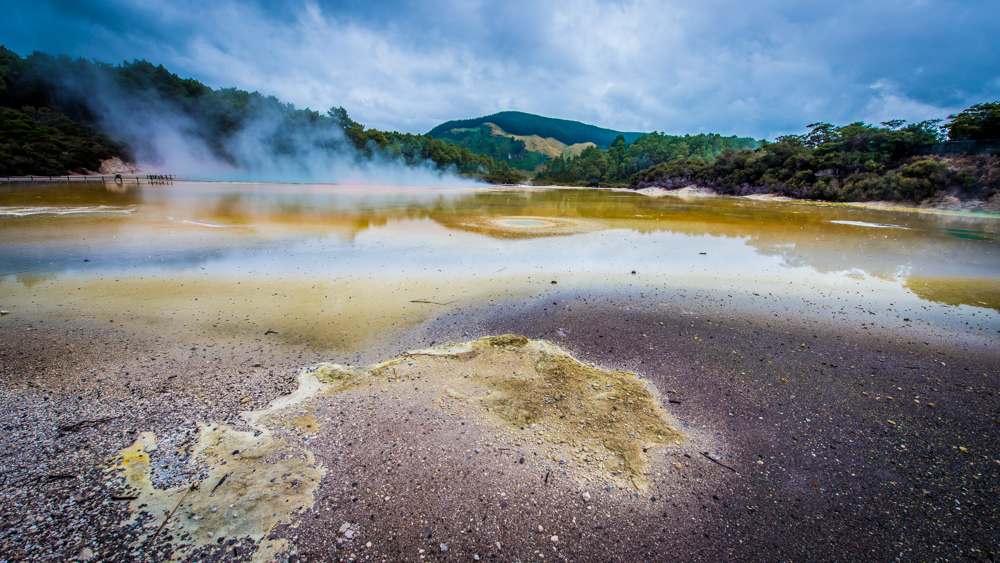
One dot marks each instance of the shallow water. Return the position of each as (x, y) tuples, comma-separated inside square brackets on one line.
[(342, 266)]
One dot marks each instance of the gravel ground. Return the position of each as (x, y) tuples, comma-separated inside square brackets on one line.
[(822, 448)]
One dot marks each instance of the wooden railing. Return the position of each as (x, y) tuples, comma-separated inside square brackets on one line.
[(989, 146), (122, 179)]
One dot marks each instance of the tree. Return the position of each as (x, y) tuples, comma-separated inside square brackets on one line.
[(340, 117), (981, 121), (821, 133)]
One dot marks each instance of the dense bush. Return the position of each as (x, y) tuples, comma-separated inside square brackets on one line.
[(483, 140), (856, 162), (622, 160), (44, 142)]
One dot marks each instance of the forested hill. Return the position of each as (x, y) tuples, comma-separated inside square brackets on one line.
[(61, 115), (527, 124)]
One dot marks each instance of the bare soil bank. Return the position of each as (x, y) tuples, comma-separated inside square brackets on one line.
[(824, 447), (940, 202)]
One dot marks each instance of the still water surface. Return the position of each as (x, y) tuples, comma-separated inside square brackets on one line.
[(341, 266)]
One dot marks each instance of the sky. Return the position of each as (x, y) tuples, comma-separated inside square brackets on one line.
[(757, 68)]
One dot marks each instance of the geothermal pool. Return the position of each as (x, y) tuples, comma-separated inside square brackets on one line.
[(344, 267), (207, 370)]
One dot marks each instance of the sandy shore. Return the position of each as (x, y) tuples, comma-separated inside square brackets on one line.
[(795, 446), (939, 204)]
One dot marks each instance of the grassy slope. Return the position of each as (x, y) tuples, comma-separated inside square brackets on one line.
[(549, 146), (529, 153)]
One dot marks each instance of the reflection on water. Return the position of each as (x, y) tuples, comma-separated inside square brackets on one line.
[(43, 210), (958, 291), (481, 243), (864, 224)]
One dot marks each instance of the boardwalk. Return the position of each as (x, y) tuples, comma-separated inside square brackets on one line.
[(121, 179)]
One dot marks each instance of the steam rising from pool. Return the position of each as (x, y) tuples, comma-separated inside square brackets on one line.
[(266, 148)]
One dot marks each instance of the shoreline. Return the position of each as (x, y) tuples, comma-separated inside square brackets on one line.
[(941, 204), (945, 204)]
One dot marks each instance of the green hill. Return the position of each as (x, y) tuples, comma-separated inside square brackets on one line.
[(538, 150), (526, 124)]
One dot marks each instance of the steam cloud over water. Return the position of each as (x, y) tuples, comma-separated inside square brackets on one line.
[(266, 141)]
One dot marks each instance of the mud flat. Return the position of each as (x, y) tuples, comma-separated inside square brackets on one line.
[(441, 450), (737, 440)]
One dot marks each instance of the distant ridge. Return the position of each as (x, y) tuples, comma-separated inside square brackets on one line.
[(520, 123)]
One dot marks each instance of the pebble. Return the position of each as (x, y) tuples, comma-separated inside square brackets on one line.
[(444, 547), (344, 528), (540, 529), (586, 496), (555, 539), (151, 448)]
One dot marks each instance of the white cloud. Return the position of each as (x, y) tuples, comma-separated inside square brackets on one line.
[(751, 68), (887, 103)]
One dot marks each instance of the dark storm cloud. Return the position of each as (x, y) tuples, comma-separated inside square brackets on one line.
[(750, 68)]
